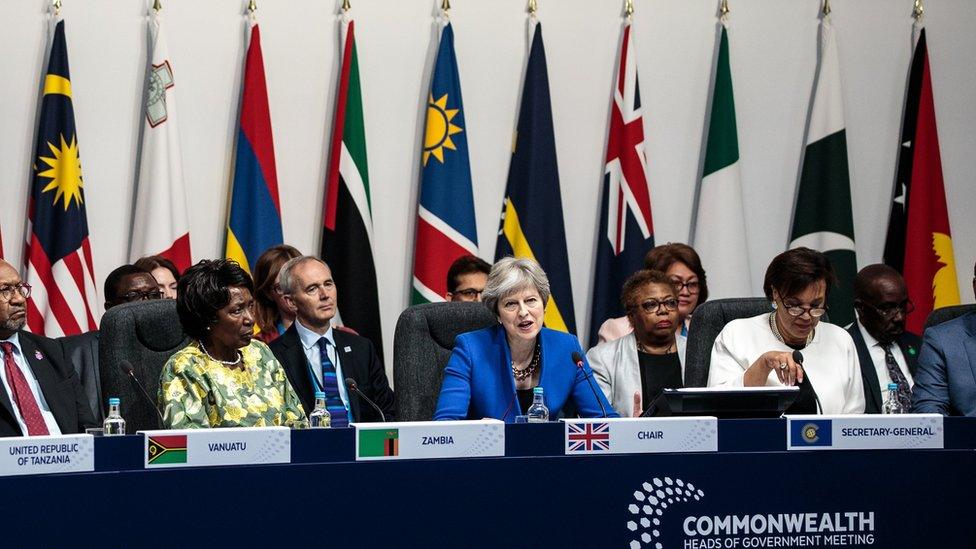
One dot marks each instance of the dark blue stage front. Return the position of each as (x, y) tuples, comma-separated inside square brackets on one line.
[(752, 493)]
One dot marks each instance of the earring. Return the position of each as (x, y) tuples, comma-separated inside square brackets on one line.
[(774, 308)]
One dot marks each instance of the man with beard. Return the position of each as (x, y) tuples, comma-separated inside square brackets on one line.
[(40, 393), (886, 352)]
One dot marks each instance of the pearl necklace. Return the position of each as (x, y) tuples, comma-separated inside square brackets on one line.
[(224, 362), (645, 350), (778, 336)]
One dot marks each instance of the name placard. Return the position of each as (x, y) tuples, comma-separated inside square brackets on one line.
[(204, 447), (430, 439), (864, 432), (641, 435), (44, 455)]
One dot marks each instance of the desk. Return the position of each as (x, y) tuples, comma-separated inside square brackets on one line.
[(533, 497)]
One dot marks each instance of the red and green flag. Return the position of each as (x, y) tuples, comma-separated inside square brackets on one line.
[(166, 449), (379, 442)]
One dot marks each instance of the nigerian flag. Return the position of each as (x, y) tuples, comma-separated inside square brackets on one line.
[(822, 218), (719, 229)]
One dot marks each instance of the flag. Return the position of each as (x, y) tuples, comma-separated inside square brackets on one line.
[(254, 224), (822, 218), (446, 227), (627, 233), (587, 437), (532, 213), (160, 225), (59, 258), (379, 442), (719, 229), (166, 449), (919, 242), (347, 231)]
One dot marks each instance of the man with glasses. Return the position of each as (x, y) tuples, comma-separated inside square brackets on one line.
[(886, 352), (39, 393), (946, 363), (125, 284), (466, 278)]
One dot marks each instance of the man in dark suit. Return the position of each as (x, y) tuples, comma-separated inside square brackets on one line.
[(39, 393), (946, 380), (318, 357), (125, 284), (886, 352)]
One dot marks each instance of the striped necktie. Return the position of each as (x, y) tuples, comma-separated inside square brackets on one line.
[(330, 386)]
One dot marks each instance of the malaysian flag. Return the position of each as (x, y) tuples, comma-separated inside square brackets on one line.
[(587, 437), (59, 258)]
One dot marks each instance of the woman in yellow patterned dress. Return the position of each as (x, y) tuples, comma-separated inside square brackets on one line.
[(224, 378)]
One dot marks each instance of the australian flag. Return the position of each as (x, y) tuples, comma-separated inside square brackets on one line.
[(59, 258), (626, 230)]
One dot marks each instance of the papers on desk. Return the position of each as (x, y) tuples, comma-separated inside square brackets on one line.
[(227, 446), (641, 435), (864, 432), (430, 439), (47, 454)]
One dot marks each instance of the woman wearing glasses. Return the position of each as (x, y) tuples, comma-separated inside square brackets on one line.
[(759, 351), (634, 369)]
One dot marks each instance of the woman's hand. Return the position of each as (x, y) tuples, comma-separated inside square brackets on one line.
[(781, 362)]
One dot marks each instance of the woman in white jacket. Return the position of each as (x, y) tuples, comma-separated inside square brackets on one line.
[(634, 369)]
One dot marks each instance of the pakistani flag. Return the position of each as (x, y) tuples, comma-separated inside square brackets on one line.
[(719, 229), (347, 231), (822, 219)]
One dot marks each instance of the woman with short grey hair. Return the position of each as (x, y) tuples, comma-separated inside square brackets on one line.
[(493, 372)]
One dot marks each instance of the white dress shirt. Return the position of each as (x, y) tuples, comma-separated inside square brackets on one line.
[(830, 359), (876, 350), (21, 362), (310, 342)]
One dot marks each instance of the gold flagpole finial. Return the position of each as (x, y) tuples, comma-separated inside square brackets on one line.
[(724, 10), (346, 6), (252, 7), (826, 8), (157, 6), (629, 9), (446, 6), (919, 10), (57, 7), (533, 7)]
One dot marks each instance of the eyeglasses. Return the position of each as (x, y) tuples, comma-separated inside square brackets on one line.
[(141, 296), (653, 305), (889, 310), (692, 285), (7, 292), (815, 312), (469, 293)]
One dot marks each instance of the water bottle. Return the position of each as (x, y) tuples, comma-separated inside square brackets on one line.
[(538, 413), (891, 404), (320, 418), (114, 424)]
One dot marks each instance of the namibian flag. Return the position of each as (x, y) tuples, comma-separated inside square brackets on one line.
[(166, 449), (379, 442), (255, 211), (532, 213)]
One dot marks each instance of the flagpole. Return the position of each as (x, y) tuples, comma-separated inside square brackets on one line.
[(629, 10), (157, 6)]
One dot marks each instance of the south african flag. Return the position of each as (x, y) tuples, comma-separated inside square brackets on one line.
[(166, 449)]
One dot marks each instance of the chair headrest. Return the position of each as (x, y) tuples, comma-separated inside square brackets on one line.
[(156, 323)]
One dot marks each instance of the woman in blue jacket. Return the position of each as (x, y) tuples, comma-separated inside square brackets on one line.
[(492, 371)]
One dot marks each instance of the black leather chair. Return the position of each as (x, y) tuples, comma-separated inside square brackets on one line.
[(143, 334), (422, 345), (710, 317), (945, 314)]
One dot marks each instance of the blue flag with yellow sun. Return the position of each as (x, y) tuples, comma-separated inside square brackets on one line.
[(532, 214), (446, 227), (59, 259)]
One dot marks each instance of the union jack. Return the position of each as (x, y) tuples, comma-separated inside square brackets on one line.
[(588, 437)]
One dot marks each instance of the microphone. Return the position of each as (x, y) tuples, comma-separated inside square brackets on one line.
[(578, 360), (127, 368), (798, 358), (351, 385)]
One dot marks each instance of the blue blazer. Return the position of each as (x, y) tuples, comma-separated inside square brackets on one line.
[(946, 379), (478, 380)]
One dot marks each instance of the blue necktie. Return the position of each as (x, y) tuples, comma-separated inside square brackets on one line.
[(330, 386)]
